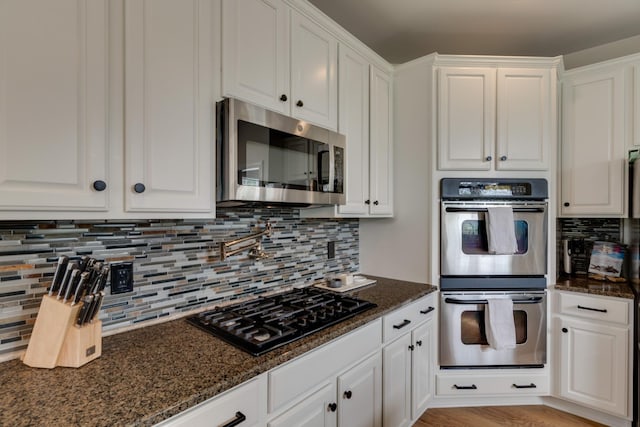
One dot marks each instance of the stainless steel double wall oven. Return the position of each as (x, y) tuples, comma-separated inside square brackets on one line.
[(470, 274)]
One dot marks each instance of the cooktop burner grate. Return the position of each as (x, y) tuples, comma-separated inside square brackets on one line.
[(266, 323)]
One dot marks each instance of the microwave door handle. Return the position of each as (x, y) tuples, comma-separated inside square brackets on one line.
[(533, 300), (332, 171)]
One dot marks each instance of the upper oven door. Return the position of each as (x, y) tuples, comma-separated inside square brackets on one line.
[(465, 248)]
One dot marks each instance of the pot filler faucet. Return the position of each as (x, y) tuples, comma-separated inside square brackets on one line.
[(255, 249)]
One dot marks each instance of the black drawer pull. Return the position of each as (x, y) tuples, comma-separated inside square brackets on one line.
[(347, 394), (139, 188), (402, 325), (599, 310), (240, 417), (465, 387), (99, 185), (565, 330), (427, 311), (332, 407), (532, 385)]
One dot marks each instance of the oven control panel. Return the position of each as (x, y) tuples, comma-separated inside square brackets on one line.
[(465, 188)]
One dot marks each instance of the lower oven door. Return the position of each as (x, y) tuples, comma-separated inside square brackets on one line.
[(463, 341)]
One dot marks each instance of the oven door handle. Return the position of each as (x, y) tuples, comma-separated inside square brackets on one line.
[(515, 209), (532, 300)]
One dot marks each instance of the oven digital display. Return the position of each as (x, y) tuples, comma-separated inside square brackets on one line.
[(494, 189)]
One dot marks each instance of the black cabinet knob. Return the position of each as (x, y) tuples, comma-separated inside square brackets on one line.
[(99, 185), (333, 407), (300, 103), (411, 348), (503, 158), (565, 330), (566, 204), (489, 158), (419, 343), (367, 202), (376, 203), (347, 394), (283, 98), (139, 188)]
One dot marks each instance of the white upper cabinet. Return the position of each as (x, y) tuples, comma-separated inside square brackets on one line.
[(169, 105), (466, 118), (53, 105), (494, 118), (524, 119), (381, 146), (258, 36), (593, 155), (354, 124), (255, 54), (314, 67)]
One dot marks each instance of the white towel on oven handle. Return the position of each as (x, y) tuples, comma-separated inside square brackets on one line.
[(501, 234), (499, 325)]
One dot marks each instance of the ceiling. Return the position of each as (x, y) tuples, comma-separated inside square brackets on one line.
[(401, 30)]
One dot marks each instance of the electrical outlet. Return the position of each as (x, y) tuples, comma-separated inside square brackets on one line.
[(121, 278), (331, 250)]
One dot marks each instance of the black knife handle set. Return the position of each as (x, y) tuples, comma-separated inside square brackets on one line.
[(83, 280), (67, 331)]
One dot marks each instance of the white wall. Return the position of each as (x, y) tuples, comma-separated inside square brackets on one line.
[(602, 53), (399, 247)]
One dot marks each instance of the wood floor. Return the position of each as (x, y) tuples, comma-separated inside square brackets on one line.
[(493, 416)]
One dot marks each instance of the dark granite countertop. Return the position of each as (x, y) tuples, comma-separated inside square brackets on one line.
[(147, 375), (595, 287)]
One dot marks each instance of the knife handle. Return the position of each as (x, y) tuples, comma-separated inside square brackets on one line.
[(84, 310), (84, 277), (95, 307), (66, 279), (59, 274), (73, 284), (84, 261)]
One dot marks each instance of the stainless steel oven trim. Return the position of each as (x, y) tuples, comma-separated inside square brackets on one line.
[(229, 190)]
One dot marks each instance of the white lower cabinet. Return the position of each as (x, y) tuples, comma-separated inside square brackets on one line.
[(408, 364), (356, 402), (592, 335), (350, 367), (315, 411), (245, 405)]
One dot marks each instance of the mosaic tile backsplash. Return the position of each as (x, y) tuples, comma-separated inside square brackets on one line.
[(177, 267)]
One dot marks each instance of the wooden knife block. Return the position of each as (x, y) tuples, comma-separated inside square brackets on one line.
[(57, 341)]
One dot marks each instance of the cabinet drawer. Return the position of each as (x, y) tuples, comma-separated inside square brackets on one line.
[(486, 384), (301, 375), (408, 317), (594, 307), (245, 401)]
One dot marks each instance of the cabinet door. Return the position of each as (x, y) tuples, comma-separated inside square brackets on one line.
[(422, 368), (636, 105), (169, 105), (53, 104), (360, 395), (314, 85), (396, 383), (524, 106), (593, 145), (466, 118), (354, 123), (315, 411), (255, 52), (593, 364), (381, 149)]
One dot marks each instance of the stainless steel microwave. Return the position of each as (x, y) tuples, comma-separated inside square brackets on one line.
[(267, 158)]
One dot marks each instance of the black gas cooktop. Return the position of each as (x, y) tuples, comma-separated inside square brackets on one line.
[(265, 323)]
